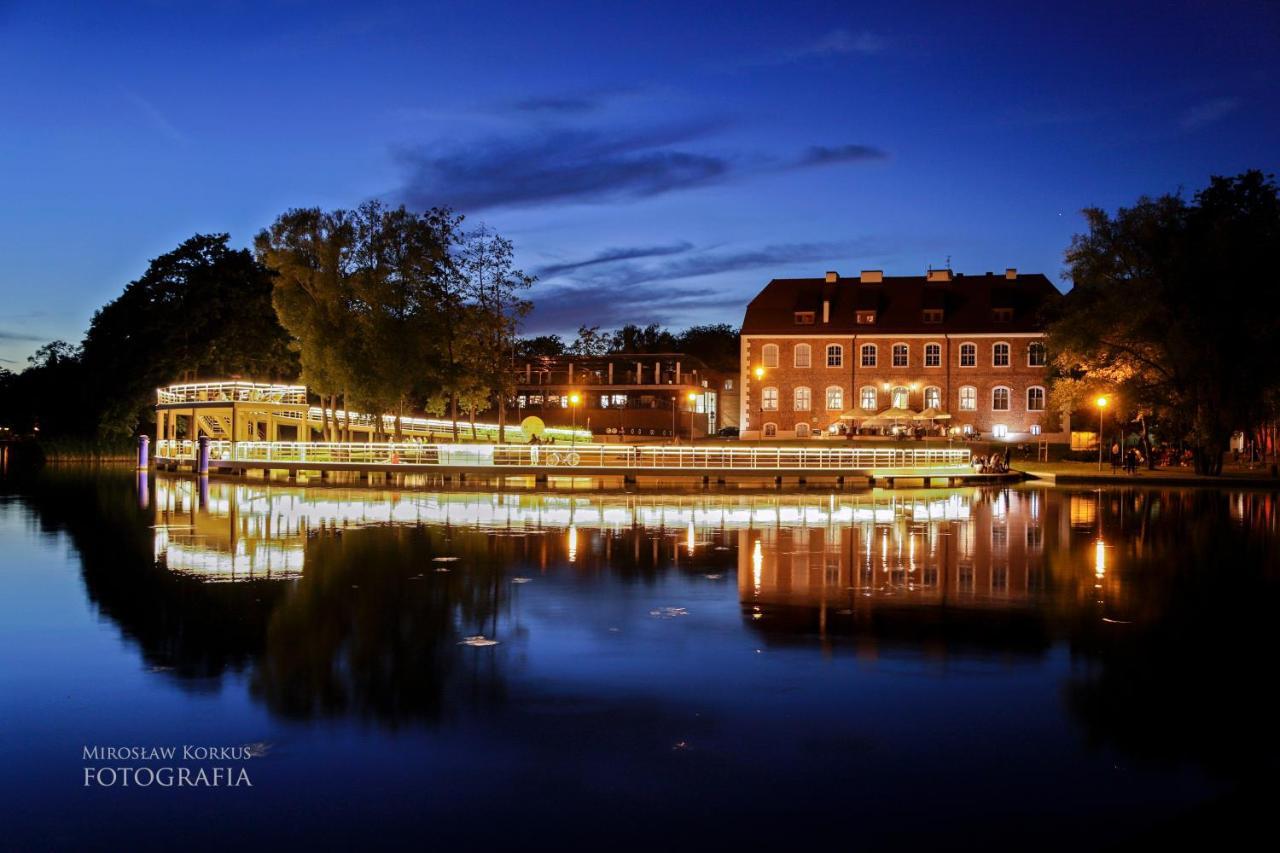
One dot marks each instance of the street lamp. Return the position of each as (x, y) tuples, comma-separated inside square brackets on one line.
[(1101, 403), (574, 399), (692, 397)]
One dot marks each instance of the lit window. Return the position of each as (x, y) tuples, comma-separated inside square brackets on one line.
[(804, 318), (868, 355), (968, 399), (868, 399), (769, 355), (932, 315), (835, 398), (899, 397), (866, 318), (968, 355), (900, 355), (932, 355), (769, 399), (1000, 355), (728, 385), (1035, 429), (1035, 399), (968, 429), (1000, 399), (803, 355), (1000, 430), (619, 399), (770, 430), (1036, 355), (835, 355), (933, 397), (803, 399)]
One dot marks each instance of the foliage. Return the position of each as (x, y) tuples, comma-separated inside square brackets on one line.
[(1171, 310)]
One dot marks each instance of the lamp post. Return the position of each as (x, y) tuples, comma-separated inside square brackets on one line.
[(1102, 405), (574, 399), (692, 397)]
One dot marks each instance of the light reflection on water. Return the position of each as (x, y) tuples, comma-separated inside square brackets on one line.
[(1071, 652)]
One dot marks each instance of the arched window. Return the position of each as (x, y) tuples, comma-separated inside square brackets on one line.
[(1000, 430), (802, 399), (803, 355), (769, 355), (1035, 399), (868, 355), (1000, 354), (999, 399), (802, 430), (868, 399), (968, 355), (835, 398), (898, 397), (968, 398), (1036, 354), (770, 430), (835, 355), (769, 399), (933, 397), (932, 355), (901, 355)]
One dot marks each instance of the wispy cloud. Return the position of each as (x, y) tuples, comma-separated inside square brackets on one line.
[(605, 289), (559, 104), (7, 335), (1208, 112), (609, 256), (824, 155), (560, 165), (555, 165), (155, 119), (841, 42)]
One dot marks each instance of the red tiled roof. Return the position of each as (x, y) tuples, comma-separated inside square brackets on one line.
[(967, 301)]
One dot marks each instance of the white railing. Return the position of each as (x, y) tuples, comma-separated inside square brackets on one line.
[(239, 392), (569, 456)]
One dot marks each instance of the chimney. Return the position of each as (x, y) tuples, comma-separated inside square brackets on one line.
[(938, 275), (826, 310), (872, 276), (1011, 273), (832, 276)]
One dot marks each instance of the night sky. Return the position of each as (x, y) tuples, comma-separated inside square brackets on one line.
[(653, 162)]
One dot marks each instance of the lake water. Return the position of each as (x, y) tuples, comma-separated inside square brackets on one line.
[(1069, 669)]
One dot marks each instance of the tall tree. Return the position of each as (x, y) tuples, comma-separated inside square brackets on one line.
[(495, 287), (202, 311), (1172, 308)]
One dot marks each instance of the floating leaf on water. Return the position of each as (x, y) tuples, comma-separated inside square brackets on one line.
[(722, 548), (479, 641), (258, 749), (669, 612), (444, 559), (713, 577), (521, 580), (442, 570)]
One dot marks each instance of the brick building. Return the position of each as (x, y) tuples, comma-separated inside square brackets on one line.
[(826, 356)]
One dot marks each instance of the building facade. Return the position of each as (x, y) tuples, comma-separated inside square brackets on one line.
[(624, 396), (834, 356)]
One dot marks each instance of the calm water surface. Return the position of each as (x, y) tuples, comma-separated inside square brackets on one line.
[(965, 668)]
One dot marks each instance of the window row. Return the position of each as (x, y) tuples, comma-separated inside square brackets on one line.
[(997, 430), (900, 398), (802, 355)]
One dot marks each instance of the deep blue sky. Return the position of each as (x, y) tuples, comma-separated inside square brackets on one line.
[(653, 162)]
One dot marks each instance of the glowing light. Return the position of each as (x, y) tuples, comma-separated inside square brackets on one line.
[(759, 373), (1099, 559), (573, 543), (1101, 402), (757, 566), (688, 538), (574, 399)]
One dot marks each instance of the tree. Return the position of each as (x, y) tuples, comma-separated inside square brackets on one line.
[(495, 287), (650, 339), (1172, 308), (590, 342), (716, 345), (542, 345), (202, 311)]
